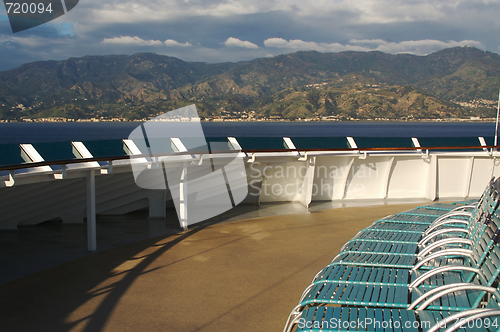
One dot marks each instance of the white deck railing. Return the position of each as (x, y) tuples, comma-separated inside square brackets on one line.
[(34, 192)]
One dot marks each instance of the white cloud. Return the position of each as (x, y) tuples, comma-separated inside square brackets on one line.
[(92, 15), (33, 42), (393, 11), (366, 11), (29, 41), (135, 11), (414, 26), (235, 42), (419, 47), (297, 44), (171, 42), (136, 41), (133, 41)]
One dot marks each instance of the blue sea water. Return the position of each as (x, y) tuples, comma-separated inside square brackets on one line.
[(16, 133)]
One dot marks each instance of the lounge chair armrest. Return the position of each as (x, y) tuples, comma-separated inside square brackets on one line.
[(433, 226), (317, 275), (433, 291), (304, 293), (463, 207), (334, 258), (461, 287), (458, 316), (438, 270), (293, 318), (452, 214), (486, 313), (441, 231), (442, 242), (456, 252)]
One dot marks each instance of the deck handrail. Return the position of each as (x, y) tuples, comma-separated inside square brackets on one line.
[(113, 158)]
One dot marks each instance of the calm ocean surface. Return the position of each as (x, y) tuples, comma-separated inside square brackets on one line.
[(16, 133)]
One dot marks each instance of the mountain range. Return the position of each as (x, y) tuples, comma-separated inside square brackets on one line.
[(451, 83)]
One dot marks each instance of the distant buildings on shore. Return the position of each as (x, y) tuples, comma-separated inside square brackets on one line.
[(252, 116), (264, 119), (479, 103)]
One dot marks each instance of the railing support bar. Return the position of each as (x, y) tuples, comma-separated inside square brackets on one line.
[(91, 212)]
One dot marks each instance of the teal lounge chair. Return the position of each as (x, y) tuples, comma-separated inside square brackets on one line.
[(423, 216), (389, 288), (392, 237), (399, 255), (354, 281), (343, 319), (472, 259), (477, 287)]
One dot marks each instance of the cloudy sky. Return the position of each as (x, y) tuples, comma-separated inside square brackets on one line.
[(236, 30)]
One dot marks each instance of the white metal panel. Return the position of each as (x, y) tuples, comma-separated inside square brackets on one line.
[(453, 176), (366, 179), (405, 180), (481, 175), (330, 177), (282, 182)]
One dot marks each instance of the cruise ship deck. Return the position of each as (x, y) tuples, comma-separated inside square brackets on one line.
[(240, 271), (241, 275)]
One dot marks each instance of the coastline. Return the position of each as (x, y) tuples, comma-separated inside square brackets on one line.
[(60, 120), (34, 132)]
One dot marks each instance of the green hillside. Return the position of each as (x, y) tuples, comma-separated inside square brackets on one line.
[(452, 83)]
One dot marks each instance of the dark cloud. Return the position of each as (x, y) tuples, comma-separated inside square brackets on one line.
[(199, 30)]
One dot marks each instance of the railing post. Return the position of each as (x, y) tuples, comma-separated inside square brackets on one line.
[(183, 198), (308, 182), (345, 180), (432, 178), (387, 178), (157, 206), (91, 212)]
